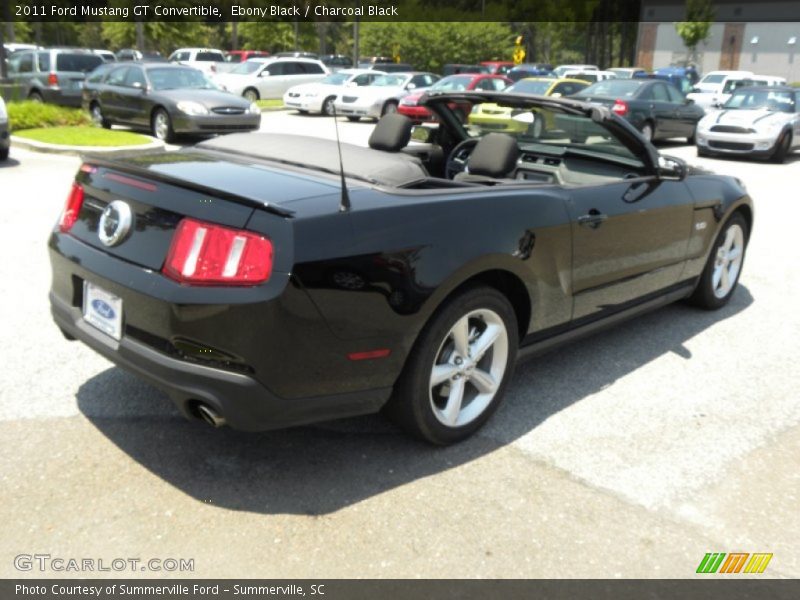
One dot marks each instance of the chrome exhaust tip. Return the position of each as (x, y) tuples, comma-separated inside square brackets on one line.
[(210, 416)]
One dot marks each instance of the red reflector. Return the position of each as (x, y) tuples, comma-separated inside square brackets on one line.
[(620, 108), (142, 185), (381, 353), (71, 208), (206, 254), (52, 79)]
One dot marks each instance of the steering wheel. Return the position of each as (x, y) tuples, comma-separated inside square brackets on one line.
[(457, 159)]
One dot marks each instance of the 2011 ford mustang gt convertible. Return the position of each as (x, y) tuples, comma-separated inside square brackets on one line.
[(268, 280)]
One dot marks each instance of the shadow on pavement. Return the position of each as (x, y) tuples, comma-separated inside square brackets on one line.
[(316, 470)]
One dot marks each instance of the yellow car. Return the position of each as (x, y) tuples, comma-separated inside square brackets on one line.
[(492, 117)]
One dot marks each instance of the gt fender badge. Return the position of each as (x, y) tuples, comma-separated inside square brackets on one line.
[(115, 223), (700, 226)]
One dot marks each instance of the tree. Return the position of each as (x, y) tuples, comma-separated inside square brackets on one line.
[(697, 27)]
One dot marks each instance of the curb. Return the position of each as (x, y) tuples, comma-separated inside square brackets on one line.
[(35, 146)]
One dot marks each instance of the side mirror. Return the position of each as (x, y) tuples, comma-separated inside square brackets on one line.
[(555, 95), (352, 84), (422, 134), (264, 73), (411, 86), (139, 86), (671, 168)]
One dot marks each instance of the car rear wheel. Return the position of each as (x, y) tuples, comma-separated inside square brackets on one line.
[(4, 154), (35, 97), (647, 131), (162, 126), (97, 116), (327, 106), (250, 94), (721, 274), (459, 368), (782, 148)]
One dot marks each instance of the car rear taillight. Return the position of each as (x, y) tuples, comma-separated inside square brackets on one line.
[(52, 79), (620, 108), (71, 208), (206, 254)]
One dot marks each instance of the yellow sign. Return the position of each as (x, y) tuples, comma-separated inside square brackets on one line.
[(519, 55)]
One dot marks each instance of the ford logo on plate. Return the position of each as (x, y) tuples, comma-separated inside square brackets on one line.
[(103, 308)]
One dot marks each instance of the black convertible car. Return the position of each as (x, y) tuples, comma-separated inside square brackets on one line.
[(262, 285)]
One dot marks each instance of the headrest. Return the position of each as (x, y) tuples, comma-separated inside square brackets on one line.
[(495, 155), (391, 134)]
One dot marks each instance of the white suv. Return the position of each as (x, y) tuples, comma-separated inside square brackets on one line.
[(261, 78), (205, 59)]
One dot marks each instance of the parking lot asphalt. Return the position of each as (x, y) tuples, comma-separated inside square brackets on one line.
[(628, 454)]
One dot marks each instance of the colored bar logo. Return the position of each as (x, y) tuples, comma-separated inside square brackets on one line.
[(736, 562)]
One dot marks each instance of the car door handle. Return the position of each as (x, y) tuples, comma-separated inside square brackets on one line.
[(594, 219)]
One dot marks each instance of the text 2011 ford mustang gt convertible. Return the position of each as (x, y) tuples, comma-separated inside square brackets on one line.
[(261, 285)]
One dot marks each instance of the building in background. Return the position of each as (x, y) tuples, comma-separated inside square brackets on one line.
[(740, 39)]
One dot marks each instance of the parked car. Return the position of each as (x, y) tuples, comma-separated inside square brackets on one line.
[(382, 96), (319, 97), (709, 100), (167, 100), (13, 48), (106, 55), (411, 292), (455, 69), (681, 82), (561, 69), (296, 54), (761, 121), (628, 72), (656, 108), (5, 137), (128, 54), (239, 56), (589, 76), (498, 67), (390, 67), (411, 107), (712, 82), (680, 72), (368, 61), (527, 70), (205, 59), (271, 77), (336, 62), (54, 76), (501, 118)]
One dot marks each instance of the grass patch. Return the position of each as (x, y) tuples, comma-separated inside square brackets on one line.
[(83, 136), (270, 103), (32, 115)]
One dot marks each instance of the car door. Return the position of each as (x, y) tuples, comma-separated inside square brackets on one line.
[(110, 94), (270, 81), (22, 71), (309, 72), (664, 112), (133, 97), (686, 113)]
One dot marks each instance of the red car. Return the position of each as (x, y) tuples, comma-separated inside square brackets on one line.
[(498, 67), (409, 105), (237, 56)]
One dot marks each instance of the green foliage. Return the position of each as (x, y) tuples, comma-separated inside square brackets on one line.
[(84, 136), (429, 45), (697, 27), (30, 115), (277, 37), (163, 36)]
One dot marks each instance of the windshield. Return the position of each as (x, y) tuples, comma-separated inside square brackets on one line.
[(713, 78), (747, 99), (390, 80), (618, 88), (173, 79), (549, 128), (530, 86), (336, 79), (247, 67), (454, 83)]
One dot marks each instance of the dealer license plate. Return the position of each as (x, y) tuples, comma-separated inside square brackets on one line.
[(102, 309)]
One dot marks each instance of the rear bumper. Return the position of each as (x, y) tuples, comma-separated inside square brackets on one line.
[(243, 401), (63, 97), (415, 113)]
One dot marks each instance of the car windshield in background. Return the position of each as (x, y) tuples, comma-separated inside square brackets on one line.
[(336, 79), (761, 99), (618, 88), (526, 86), (210, 57), (174, 79), (543, 126), (77, 62), (390, 80), (248, 67), (454, 83)]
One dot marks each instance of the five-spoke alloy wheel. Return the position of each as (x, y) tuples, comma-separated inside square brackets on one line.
[(721, 274)]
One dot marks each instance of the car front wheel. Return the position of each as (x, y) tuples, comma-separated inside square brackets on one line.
[(162, 126), (647, 131), (98, 118), (721, 273), (327, 106), (250, 94), (458, 371), (782, 147)]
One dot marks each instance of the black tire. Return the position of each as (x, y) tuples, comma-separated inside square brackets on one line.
[(353, 119), (35, 97), (648, 131), (251, 94), (98, 117), (327, 106), (782, 148), (692, 139), (414, 404), (162, 130), (702, 152), (704, 295), (389, 108), (4, 154)]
